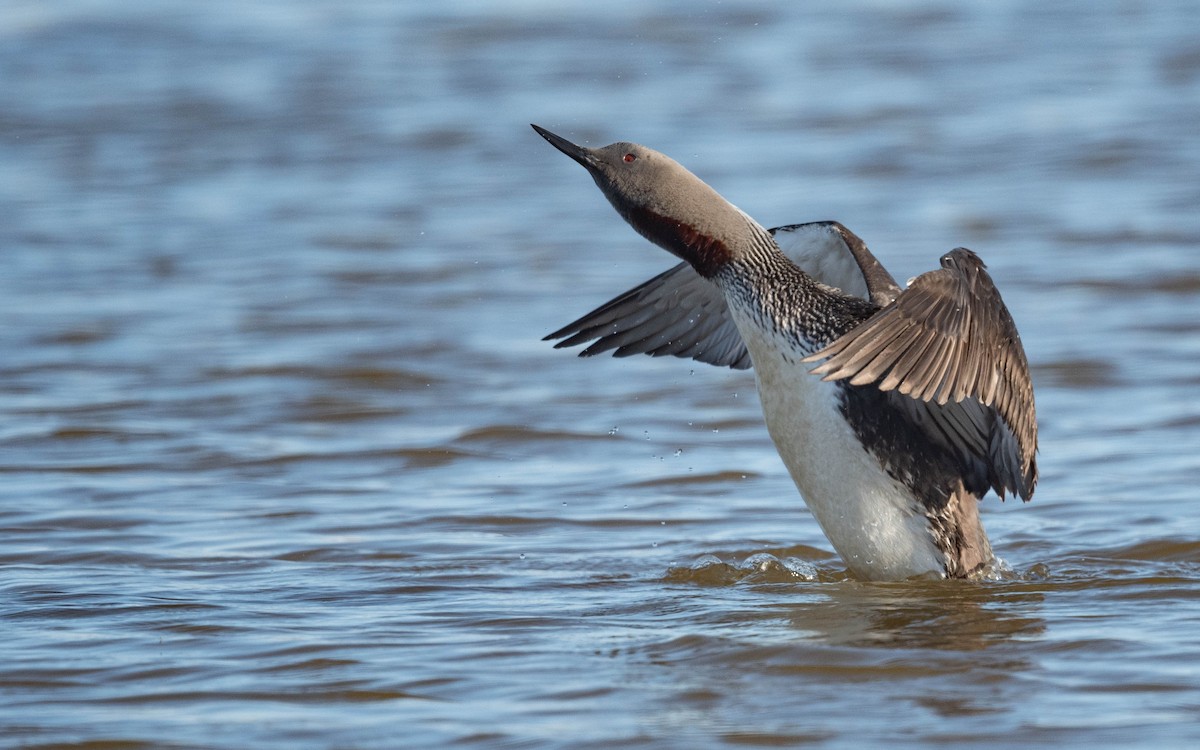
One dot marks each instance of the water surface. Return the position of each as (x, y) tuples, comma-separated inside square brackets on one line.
[(284, 462)]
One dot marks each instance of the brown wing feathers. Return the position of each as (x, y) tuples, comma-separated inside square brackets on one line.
[(949, 340)]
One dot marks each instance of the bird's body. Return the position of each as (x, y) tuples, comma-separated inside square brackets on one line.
[(925, 403), (881, 534)]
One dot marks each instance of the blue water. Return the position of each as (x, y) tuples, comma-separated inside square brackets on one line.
[(284, 463)]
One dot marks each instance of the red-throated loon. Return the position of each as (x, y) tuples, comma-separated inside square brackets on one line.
[(923, 401)]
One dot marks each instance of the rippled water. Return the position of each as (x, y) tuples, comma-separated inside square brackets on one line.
[(283, 462)]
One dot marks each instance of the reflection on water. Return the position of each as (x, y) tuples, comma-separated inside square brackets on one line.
[(969, 617), (285, 462), (838, 610)]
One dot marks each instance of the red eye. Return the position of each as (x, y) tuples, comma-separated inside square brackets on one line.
[(629, 158)]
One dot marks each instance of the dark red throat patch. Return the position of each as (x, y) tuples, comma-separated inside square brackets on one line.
[(703, 252)]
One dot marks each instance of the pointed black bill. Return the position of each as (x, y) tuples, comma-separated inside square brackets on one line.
[(578, 153)]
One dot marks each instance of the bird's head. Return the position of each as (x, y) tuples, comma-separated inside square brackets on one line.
[(662, 200)]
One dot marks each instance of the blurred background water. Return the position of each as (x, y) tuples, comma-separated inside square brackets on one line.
[(283, 462)]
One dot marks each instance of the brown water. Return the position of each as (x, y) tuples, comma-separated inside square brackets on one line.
[(284, 463)]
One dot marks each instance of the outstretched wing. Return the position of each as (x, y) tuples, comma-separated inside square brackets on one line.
[(949, 345), (683, 314), (678, 312)]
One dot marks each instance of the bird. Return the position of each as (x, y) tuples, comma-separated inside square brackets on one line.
[(895, 410)]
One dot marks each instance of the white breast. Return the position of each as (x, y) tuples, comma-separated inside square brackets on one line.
[(871, 519)]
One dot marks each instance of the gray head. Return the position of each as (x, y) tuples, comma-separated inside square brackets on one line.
[(664, 202)]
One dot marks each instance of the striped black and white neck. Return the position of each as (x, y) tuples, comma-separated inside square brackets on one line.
[(895, 411)]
